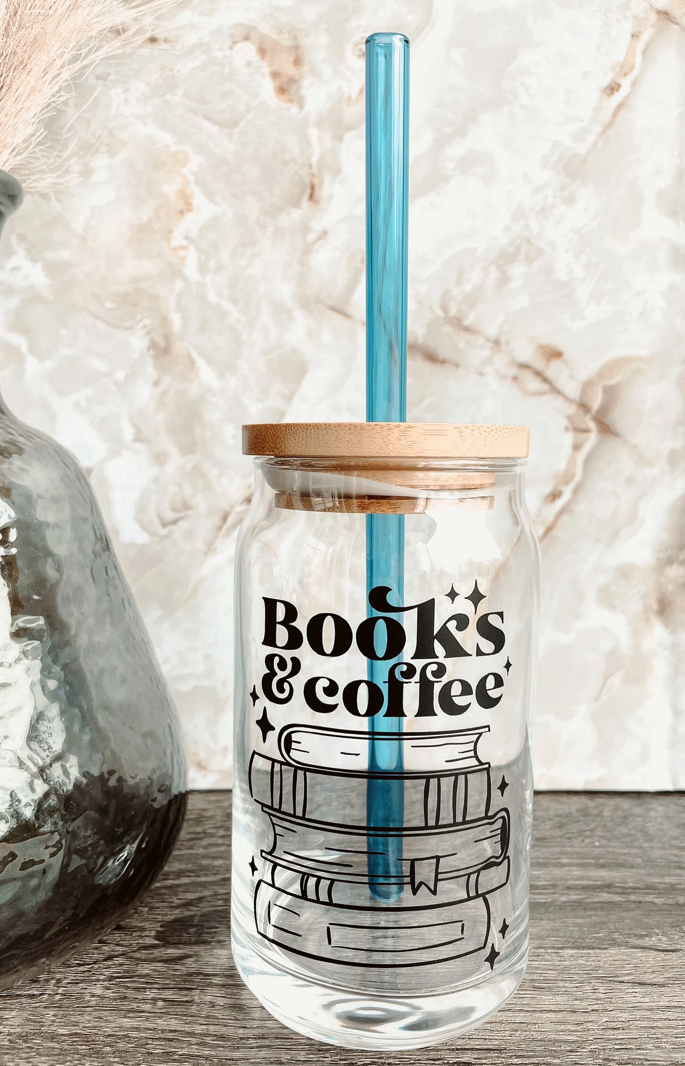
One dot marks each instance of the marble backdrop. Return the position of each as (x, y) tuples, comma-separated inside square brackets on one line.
[(201, 264)]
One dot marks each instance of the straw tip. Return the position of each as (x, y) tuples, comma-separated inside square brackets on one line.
[(381, 39)]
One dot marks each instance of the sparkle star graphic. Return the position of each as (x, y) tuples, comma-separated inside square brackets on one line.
[(254, 695), (508, 665), (503, 928), (476, 597), (501, 788), (266, 726), (492, 957), (253, 866), (452, 594)]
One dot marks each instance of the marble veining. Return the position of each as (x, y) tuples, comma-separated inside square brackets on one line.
[(202, 264)]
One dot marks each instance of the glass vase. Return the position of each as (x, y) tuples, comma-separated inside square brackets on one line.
[(92, 765)]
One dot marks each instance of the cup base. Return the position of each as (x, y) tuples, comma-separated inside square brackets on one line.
[(373, 1022)]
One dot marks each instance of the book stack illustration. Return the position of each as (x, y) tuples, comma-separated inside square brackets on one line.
[(314, 896)]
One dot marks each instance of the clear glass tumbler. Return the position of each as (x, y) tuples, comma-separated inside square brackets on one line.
[(386, 613)]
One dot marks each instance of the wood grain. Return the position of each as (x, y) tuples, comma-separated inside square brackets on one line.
[(380, 504), (606, 982), (413, 440)]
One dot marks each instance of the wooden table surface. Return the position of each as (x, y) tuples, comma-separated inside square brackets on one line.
[(605, 985)]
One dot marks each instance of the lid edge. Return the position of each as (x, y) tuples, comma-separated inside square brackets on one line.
[(382, 440)]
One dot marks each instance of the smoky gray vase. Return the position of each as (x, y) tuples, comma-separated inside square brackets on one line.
[(92, 767)]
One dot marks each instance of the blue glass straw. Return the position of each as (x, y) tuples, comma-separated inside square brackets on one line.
[(387, 136)]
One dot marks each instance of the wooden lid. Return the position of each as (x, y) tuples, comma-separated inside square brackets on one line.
[(408, 440), (290, 501)]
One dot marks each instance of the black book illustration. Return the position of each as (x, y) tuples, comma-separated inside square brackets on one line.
[(315, 898), (362, 937), (442, 799)]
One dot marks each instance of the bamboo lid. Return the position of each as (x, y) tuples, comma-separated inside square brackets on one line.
[(399, 440), (290, 501)]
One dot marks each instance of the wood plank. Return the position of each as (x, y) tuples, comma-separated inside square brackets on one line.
[(606, 982)]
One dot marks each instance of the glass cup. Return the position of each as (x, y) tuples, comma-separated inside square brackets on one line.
[(386, 628)]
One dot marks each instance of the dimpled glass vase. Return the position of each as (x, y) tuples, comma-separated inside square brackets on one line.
[(92, 767)]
